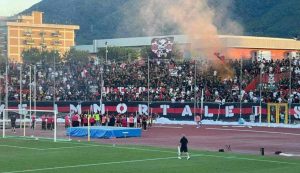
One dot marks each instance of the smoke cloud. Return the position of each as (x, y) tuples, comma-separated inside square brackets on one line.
[(202, 21)]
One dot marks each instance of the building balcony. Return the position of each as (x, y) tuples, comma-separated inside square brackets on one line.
[(57, 43), (29, 42), (43, 45), (56, 34), (27, 33)]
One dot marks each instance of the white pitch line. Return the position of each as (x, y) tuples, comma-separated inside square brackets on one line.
[(109, 146), (255, 131), (144, 160), (45, 149), (84, 146), (13, 146), (144, 149), (80, 146), (88, 165)]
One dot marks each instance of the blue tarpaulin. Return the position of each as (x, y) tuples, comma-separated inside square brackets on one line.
[(104, 132)]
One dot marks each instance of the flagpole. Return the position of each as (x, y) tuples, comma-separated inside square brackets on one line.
[(30, 99), (290, 90), (148, 85), (195, 95), (6, 97), (241, 73), (54, 88), (101, 90), (20, 89), (34, 90), (260, 92), (0, 93), (106, 51), (202, 99)]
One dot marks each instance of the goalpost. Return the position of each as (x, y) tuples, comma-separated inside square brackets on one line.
[(33, 124)]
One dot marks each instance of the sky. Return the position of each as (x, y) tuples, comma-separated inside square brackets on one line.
[(12, 7)]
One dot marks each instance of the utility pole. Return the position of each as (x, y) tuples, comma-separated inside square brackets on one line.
[(106, 51)]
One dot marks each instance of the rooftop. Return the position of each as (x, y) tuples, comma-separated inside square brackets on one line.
[(230, 41)]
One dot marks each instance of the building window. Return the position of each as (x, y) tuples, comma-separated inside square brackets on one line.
[(56, 34)]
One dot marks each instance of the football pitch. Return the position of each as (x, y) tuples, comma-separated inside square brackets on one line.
[(26, 155)]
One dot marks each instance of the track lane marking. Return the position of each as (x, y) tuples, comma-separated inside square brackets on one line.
[(254, 131)]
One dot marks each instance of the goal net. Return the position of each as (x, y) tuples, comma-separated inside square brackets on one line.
[(35, 124)]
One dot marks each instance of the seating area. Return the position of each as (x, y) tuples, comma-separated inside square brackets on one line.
[(170, 80)]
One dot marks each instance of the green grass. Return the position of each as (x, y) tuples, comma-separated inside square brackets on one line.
[(81, 157)]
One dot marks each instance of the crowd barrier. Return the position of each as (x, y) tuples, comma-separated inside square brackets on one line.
[(179, 111)]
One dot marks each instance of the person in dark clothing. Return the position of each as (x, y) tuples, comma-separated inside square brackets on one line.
[(82, 120), (112, 120), (32, 122), (144, 122), (13, 119), (183, 148), (44, 122)]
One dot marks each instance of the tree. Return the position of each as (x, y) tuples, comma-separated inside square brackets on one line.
[(31, 55), (2, 57), (34, 55), (146, 51), (48, 56), (76, 55), (118, 53)]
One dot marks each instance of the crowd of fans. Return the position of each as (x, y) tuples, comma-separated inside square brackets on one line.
[(169, 81), (120, 120)]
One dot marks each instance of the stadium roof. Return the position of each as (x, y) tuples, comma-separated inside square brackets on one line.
[(228, 41)]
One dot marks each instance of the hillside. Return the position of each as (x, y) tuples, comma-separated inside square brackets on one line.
[(118, 18)]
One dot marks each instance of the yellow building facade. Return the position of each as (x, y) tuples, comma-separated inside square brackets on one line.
[(30, 32)]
